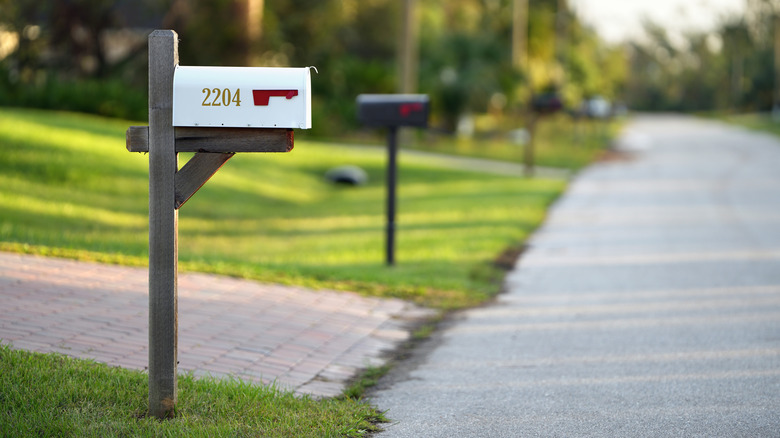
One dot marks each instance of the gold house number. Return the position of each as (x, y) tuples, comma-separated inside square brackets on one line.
[(223, 97)]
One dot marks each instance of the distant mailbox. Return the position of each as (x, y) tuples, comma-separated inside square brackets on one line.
[(393, 109), (242, 97), (547, 103)]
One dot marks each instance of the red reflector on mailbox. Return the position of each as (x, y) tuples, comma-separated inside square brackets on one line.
[(242, 97), (393, 109)]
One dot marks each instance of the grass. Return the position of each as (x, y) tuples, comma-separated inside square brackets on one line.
[(560, 142), (755, 121), (70, 189), (53, 395), (368, 378)]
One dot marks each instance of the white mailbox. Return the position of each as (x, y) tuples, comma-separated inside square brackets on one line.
[(242, 97)]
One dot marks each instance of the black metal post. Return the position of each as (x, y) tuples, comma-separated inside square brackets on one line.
[(392, 152)]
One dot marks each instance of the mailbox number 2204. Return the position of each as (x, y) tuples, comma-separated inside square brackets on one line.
[(221, 97)]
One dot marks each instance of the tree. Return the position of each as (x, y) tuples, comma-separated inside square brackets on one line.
[(26, 19), (465, 47), (732, 67)]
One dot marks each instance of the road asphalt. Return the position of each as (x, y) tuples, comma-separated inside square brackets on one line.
[(648, 305)]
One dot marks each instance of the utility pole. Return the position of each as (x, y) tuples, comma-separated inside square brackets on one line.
[(407, 49), (561, 37), (407, 58), (521, 62), (251, 12), (520, 34)]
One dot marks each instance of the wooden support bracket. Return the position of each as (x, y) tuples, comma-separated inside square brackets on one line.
[(198, 170)]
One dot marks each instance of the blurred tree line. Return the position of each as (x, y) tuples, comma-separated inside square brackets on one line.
[(90, 55), (731, 68)]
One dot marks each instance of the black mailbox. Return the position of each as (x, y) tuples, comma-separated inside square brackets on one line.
[(547, 103), (393, 109)]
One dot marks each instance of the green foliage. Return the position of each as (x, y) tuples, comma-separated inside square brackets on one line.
[(352, 44), (71, 189), (228, 47), (759, 122), (463, 72), (464, 48), (731, 67), (368, 378), (54, 395), (61, 59), (561, 141), (107, 97)]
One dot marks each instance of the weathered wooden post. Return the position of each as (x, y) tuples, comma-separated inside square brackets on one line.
[(541, 105), (392, 111), (201, 110), (163, 225)]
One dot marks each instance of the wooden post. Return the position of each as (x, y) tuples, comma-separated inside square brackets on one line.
[(520, 34), (528, 152), (408, 52), (561, 42), (163, 226), (776, 35), (407, 49), (520, 60), (169, 188)]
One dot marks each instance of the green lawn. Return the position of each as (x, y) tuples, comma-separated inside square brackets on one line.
[(55, 396), (755, 121), (560, 142), (71, 189)]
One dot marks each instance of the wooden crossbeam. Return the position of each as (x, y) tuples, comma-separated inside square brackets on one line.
[(217, 140)]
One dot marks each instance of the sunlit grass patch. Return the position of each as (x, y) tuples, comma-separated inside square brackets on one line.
[(560, 142), (70, 188), (54, 395)]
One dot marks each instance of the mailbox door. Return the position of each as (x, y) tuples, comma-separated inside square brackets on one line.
[(243, 97)]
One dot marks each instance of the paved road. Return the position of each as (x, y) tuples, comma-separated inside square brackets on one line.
[(312, 342), (647, 306)]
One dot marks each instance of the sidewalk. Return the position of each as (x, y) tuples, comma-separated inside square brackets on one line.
[(647, 305), (312, 342)]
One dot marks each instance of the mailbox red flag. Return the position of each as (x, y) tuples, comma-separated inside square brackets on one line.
[(262, 97), (407, 108)]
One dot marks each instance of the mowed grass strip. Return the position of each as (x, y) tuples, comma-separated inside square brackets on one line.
[(54, 395), (69, 188), (765, 122), (561, 142)]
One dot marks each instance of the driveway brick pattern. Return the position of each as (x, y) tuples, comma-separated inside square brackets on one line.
[(312, 342)]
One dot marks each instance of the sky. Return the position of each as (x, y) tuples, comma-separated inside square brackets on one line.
[(620, 20)]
